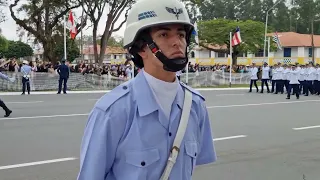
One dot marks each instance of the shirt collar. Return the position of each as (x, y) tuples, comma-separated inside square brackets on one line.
[(143, 95), (145, 99)]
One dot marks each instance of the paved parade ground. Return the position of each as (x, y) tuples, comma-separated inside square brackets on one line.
[(257, 136)]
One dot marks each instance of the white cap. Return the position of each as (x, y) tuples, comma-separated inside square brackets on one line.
[(148, 13), (25, 62)]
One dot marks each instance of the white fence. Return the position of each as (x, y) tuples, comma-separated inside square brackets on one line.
[(77, 81)]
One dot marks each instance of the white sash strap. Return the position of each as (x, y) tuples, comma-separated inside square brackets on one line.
[(180, 134)]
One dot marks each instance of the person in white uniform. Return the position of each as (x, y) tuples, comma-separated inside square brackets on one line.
[(302, 79), (265, 77), (317, 81), (285, 76), (310, 77), (254, 77), (294, 82), (279, 84), (274, 78)]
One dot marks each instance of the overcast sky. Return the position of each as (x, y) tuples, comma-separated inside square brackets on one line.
[(9, 27)]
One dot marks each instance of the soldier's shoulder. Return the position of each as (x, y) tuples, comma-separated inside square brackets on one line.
[(116, 96), (197, 94)]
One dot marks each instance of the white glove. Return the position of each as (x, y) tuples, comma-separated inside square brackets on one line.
[(12, 79)]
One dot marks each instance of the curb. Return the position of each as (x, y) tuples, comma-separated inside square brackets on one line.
[(105, 91)]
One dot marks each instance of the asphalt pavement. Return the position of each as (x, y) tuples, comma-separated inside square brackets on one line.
[(256, 136)]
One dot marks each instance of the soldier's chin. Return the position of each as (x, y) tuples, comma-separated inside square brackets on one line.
[(177, 57)]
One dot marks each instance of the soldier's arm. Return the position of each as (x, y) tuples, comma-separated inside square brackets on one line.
[(207, 151), (102, 134), (3, 76)]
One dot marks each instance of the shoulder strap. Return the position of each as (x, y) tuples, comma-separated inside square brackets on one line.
[(180, 134)]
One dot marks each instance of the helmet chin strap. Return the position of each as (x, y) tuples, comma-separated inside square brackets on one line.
[(172, 65)]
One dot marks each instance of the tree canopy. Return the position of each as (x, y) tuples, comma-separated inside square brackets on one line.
[(294, 16), (217, 31), (43, 19), (73, 50), (18, 49)]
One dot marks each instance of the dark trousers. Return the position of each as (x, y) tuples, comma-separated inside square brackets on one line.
[(316, 87), (308, 87), (25, 82), (286, 85), (295, 88), (265, 82), (255, 84), (4, 107), (64, 85), (279, 86), (301, 88), (273, 84)]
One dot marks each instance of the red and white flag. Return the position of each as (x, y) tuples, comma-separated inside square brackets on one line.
[(236, 39), (71, 25)]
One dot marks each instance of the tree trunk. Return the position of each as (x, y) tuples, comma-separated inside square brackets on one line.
[(104, 39), (312, 40), (234, 59), (48, 52), (95, 44)]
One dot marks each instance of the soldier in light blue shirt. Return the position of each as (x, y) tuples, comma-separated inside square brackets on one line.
[(2, 104), (132, 132), (26, 72)]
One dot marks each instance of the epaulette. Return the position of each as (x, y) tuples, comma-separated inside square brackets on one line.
[(108, 99), (192, 90)]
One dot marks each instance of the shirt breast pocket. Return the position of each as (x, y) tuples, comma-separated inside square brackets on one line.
[(140, 162), (191, 153)]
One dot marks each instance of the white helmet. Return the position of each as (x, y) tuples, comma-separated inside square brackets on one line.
[(148, 13)]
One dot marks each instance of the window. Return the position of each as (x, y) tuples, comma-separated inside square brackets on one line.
[(310, 52), (192, 54), (221, 54), (260, 53), (286, 52)]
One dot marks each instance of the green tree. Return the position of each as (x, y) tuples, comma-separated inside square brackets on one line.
[(18, 49), (73, 50), (3, 45), (216, 32), (43, 19), (308, 11), (3, 4), (281, 21), (212, 9), (116, 9)]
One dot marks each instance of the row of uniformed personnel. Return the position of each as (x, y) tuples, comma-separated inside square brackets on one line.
[(305, 77)]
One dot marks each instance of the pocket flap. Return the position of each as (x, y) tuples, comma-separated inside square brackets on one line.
[(142, 158), (191, 149)]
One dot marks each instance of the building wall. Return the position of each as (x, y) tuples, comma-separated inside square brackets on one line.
[(298, 54)]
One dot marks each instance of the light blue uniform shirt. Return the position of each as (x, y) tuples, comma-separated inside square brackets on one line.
[(26, 69), (3, 76), (128, 137)]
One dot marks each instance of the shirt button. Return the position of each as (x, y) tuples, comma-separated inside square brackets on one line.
[(143, 163), (170, 134), (195, 154), (124, 87)]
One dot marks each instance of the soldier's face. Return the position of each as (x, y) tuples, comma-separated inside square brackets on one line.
[(171, 39)]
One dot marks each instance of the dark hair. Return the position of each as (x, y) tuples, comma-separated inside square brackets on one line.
[(138, 45)]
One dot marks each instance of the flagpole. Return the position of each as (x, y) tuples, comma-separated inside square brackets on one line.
[(65, 38), (268, 50), (230, 59)]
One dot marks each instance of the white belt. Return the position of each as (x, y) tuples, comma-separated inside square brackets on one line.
[(180, 134)]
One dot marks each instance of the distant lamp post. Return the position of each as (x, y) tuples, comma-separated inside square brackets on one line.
[(312, 39), (266, 27)]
